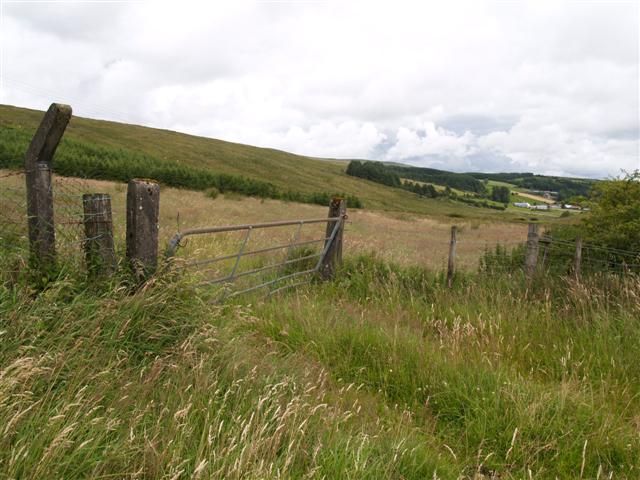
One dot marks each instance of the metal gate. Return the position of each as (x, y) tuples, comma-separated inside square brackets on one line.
[(273, 276)]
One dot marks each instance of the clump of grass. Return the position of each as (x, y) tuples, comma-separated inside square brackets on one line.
[(212, 193)]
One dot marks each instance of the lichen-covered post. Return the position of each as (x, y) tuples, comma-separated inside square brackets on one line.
[(531, 257), (143, 208), (98, 230), (333, 253), (451, 266), (577, 259), (38, 168)]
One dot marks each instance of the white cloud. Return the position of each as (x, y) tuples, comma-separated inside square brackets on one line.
[(431, 140), (537, 86)]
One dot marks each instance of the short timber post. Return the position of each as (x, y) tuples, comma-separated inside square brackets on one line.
[(577, 258), (38, 167), (143, 208), (531, 257), (451, 267), (333, 253), (98, 230)]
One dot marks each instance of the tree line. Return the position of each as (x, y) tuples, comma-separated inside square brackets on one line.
[(87, 160), (420, 181)]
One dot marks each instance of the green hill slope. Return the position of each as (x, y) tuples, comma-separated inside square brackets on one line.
[(97, 143)]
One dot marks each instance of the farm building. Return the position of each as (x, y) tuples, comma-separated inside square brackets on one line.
[(522, 204)]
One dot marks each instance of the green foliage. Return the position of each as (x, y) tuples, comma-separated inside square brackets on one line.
[(390, 175), (610, 232), (460, 181), (566, 187), (374, 171), (87, 160), (614, 220), (502, 259), (422, 189), (501, 194), (478, 203)]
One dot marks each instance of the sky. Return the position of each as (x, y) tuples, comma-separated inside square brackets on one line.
[(545, 87)]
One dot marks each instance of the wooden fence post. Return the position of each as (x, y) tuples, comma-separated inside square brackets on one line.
[(531, 256), (577, 258), (143, 208), (98, 230), (451, 267), (37, 164), (333, 255)]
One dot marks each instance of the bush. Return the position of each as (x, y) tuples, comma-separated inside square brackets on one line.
[(212, 192)]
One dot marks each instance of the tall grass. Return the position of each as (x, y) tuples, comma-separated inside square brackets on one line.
[(384, 373)]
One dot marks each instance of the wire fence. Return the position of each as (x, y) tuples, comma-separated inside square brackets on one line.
[(13, 211), (68, 214), (558, 256)]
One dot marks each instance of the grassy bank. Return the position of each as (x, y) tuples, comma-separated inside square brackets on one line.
[(383, 373)]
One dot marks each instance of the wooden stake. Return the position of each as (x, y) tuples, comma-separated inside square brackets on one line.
[(143, 208), (98, 229), (531, 257), (333, 256), (451, 267), (577, 259)]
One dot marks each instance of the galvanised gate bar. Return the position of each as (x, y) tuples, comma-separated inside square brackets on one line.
[(325, 264)]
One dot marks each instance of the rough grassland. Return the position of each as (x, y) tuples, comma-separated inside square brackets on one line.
[(381, 374), (407, 239)]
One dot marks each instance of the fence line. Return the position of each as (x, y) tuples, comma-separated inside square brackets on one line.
[(61, 219)]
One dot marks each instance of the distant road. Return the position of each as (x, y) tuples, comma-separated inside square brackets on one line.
[(537, 198)]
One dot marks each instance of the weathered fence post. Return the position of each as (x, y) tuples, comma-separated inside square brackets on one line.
[(143, 208), (531, 256), (577, 258), (333, 254), (38, 166), (98, 230), (451, 267)]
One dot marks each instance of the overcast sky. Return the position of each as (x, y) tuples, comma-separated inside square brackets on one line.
[(499, 86)]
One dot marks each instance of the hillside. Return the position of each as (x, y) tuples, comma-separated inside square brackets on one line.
[(98, 142), (284, 170)]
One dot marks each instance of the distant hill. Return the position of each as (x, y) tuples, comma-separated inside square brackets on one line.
[(117, 151)]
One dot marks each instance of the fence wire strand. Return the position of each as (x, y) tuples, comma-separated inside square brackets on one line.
[(67, 208)]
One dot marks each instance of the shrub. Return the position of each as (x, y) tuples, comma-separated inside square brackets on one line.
[(212, 192)]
